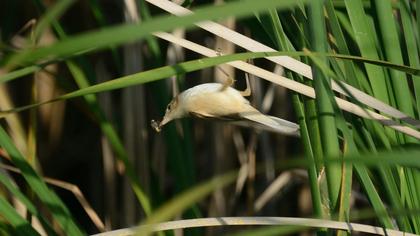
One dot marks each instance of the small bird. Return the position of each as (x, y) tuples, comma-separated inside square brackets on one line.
[(220, 101)]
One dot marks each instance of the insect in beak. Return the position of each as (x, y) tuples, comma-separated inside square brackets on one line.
[(156, 125)]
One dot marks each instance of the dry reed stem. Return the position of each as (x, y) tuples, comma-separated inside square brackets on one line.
[(286, 221), (76, 192)]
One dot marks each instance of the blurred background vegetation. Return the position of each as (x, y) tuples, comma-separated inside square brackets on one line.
[(106, 168)]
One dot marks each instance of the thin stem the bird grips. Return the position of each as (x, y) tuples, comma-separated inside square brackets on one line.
[(229, 81)]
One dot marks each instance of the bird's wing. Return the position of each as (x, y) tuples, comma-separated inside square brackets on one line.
[(271, 123), (257, 120), (203, 115)]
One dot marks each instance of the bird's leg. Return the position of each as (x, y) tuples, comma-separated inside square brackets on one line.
[(247, 91), (228, 82)]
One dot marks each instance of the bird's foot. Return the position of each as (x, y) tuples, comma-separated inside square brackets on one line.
[(228, 83), (247, 91)]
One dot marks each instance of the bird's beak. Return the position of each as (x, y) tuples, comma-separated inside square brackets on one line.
[(164, 121)]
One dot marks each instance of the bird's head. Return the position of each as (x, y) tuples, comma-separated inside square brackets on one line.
[(174, 110)]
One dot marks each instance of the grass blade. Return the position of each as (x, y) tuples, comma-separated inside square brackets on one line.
[(117, 35), (51, 16), (48, 197), (367, 46), (324, 103), (28, 204), (20, 225), (164, 72)]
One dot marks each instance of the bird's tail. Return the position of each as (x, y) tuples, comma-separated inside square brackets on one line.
[(271, 123)]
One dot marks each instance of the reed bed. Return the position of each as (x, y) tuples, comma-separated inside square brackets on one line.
[(81, 82)]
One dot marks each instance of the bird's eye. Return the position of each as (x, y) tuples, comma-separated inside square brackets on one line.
[(171, 105)]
